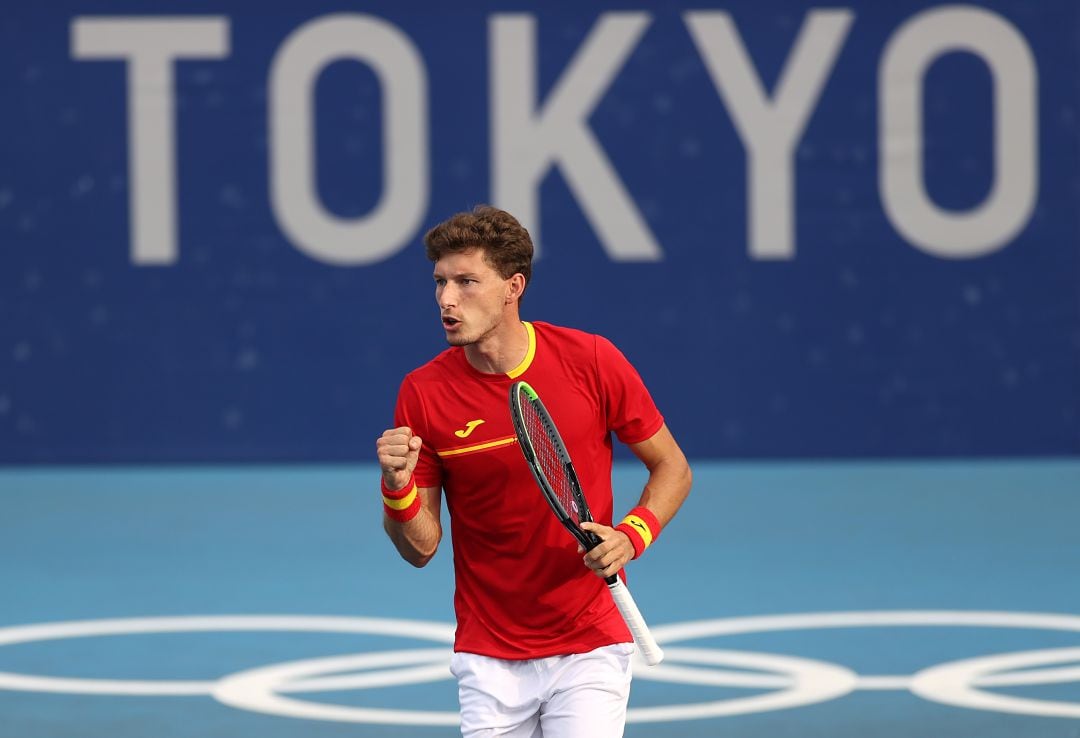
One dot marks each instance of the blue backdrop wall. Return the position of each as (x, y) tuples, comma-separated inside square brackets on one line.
[(844, 231)]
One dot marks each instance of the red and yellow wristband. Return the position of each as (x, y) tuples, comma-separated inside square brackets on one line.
[(641, 527), (402, 504)]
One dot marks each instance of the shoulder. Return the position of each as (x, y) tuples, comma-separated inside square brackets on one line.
[(439, 369), (567, 338), (578, 342)]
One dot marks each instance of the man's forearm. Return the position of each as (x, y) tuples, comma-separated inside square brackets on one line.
[(667, 488), (416, 540)]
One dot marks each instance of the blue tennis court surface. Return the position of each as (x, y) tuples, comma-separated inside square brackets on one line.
[(899, 599)]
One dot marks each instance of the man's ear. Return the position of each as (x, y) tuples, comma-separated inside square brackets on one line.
[(515, 286)]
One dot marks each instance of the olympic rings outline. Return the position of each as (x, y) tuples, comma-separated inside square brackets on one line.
[(795, 681), (420, 629), (811, 682)]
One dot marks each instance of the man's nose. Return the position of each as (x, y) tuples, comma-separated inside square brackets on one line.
[(447, 297)]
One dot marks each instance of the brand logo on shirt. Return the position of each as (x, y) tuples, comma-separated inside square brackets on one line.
[(468, 429)]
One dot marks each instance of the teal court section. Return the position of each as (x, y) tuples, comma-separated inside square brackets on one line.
[(894, 599)]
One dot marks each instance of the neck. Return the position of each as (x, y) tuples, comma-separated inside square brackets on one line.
[(501, 350)]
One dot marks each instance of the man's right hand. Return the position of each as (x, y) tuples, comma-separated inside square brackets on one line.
[(398, 450)]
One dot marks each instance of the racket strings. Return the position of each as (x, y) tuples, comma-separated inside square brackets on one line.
[(547, 455)]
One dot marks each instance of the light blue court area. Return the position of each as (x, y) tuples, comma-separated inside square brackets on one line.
[(895, 600)]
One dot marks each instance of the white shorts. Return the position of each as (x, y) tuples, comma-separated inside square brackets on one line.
[(582, 694)]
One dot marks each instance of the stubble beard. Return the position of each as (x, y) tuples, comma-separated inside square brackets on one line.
[(468, 339)]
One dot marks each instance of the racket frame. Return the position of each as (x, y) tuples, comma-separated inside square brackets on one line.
[(650, 650), (587, 539)]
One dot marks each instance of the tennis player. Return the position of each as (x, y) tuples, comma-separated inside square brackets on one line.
[(540, 649)]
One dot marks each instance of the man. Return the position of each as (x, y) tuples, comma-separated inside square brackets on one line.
[(540, 648)]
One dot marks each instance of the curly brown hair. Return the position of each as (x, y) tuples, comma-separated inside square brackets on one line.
[(506, 245)]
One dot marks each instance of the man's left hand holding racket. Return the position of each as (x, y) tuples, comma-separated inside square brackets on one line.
[(612, 553)]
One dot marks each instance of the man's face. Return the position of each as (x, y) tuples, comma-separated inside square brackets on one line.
[(471, 296)]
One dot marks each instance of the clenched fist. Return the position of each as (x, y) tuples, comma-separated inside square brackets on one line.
[(398, 449)]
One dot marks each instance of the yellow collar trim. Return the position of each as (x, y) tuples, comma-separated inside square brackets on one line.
[(518, 370)]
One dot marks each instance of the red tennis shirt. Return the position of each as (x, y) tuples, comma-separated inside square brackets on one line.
[(522, 590)]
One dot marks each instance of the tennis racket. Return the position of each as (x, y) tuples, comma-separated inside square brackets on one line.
[(550, 464)]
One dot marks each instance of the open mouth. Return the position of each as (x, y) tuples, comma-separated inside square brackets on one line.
[(450, 322)]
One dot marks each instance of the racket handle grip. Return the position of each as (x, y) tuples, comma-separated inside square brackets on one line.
[(650, 649)]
